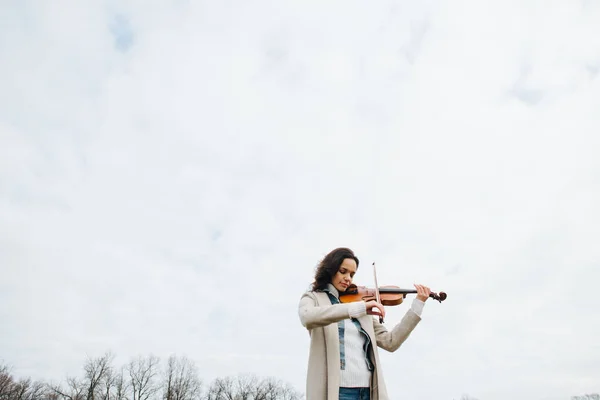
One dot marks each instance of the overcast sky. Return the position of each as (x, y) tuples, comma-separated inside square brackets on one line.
[(171, 172)]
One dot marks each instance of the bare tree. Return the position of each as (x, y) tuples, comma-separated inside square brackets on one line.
[(181, 381), (50, 395), (249, 387), (143, 372), (22, 389), (113, 385), (245, 386), (221, 389), (121, 386), (6, 383), (75, 389), (590, 396), (26, 389), (106, 386), (267, 389), (288, 392), (274, 389), (98, 370)]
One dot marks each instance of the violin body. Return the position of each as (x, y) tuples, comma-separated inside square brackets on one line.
[(389, 295)]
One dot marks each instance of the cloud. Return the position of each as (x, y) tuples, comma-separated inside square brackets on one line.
[(122, 32), (171, 174)]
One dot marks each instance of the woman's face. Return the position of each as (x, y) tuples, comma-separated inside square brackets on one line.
[(343, 277)]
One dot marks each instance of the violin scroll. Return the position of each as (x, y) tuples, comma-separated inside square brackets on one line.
[(439, 297)]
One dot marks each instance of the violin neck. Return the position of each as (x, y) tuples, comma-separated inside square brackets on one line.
[(396, 291)]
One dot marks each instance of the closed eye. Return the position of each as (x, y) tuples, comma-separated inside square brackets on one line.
[(344, 271)]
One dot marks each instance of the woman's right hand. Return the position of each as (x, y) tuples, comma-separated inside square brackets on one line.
[(375, 308)]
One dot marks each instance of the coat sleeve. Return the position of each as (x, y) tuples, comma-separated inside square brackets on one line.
[(392, 340), (314, 316)]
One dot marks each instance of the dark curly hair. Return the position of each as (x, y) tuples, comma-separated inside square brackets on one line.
[(330, 265)]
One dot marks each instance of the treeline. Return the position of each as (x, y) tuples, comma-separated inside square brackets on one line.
[(144, 378), (590, 396)]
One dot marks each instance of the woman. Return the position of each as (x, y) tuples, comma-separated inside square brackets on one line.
[(343, 361)]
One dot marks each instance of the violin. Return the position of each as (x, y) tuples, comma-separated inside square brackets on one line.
[(388, 295), (385, 295)]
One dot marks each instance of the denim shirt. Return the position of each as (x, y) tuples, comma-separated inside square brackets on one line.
[(333, 297)]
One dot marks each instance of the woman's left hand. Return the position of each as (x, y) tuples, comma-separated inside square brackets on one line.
[(423, 292)]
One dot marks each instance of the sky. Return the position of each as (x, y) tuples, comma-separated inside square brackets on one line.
[(171, 173)]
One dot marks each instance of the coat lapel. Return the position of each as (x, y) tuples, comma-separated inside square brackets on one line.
[(332, 349)]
